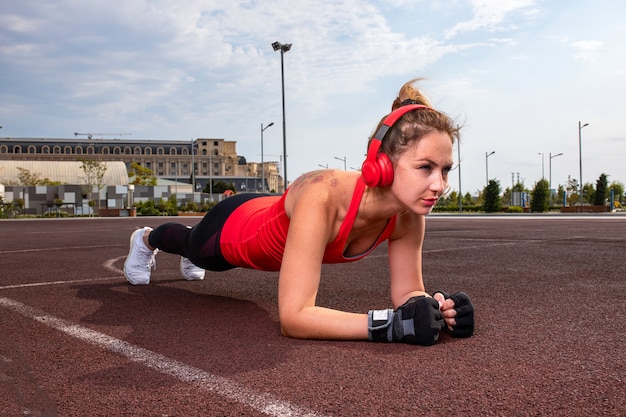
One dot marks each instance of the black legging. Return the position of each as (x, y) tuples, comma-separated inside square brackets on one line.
[(201, 243)]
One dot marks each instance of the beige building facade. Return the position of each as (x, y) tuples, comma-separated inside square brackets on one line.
[(212, 159)]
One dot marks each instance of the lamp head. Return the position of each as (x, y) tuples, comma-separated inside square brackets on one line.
[(280, 46)]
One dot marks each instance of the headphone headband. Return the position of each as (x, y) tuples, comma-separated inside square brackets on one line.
[(393, 117), (373, 173)]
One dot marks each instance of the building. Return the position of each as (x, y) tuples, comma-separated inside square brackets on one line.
[(212, 159)]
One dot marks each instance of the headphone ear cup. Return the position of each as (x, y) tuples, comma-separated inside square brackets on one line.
[(378, 173), (369, 172), (385, 168)]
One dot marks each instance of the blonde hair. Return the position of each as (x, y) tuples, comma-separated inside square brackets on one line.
[(415, 124)]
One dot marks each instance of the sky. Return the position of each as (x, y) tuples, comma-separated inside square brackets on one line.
[(517, 75)]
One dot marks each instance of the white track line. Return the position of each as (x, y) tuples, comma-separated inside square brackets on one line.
[(262, 402)]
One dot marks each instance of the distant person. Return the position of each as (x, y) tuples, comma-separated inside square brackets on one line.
[(333, 216)]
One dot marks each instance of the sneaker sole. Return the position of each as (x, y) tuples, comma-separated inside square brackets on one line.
[(130, 280), (182, 272)]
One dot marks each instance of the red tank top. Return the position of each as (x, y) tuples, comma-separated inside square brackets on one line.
[(254, 235)]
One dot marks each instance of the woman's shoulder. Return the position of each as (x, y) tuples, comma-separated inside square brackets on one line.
[(326, 180), (328, 187)]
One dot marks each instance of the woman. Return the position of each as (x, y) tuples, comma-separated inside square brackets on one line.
[(335, 216)]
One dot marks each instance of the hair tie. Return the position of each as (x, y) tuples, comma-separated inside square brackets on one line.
[(408, 101)]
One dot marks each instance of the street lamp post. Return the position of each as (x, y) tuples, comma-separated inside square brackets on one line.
[(550, 172), (345, 167), (262, 162), (211, 175), (580, 160), (487, 155), (193, 172), (458, 149), (283, 47)]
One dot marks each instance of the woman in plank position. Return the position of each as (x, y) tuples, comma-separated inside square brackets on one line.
[(333, 216)]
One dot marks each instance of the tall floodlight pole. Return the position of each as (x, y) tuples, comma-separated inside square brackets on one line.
[(345, 167), (580, 160), (193, 173), (262, 163), (283, 47), (458, 149), (211, 175), (487, 155), (550, 172)]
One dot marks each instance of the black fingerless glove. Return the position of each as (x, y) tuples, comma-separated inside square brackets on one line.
[(464, 318), (418, 322)]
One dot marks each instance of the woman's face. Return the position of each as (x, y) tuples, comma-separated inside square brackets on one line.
[(421, 172)]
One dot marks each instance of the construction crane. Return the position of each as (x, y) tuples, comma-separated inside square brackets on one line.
[(91, 135)]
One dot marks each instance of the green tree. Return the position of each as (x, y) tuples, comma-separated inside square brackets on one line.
[(94, 174), (573, 190), (618, 191), (492, 201), (140, 175), (219, 187), (467, 199), (559, 194), (453, 199), (589, 192), (540, 201), (602, 191), (28, 178)]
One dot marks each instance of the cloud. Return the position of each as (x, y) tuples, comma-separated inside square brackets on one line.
[(489, 15), (586, 51)]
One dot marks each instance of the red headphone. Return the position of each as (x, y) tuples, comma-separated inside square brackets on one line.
[(377, 170)]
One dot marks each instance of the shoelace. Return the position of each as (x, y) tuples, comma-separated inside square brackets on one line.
[(152, 261)]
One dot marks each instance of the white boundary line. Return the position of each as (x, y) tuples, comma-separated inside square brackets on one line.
[(262, 402)]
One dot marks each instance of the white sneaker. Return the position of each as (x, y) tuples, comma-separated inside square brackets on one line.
[(190, 271), (140, 259)]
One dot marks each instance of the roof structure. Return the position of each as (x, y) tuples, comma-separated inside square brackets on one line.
[(65, 172)]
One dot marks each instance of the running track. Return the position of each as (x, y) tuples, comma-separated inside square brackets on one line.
[(549, 293)]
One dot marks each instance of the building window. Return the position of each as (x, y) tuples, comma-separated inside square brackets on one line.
[(4, 149), (172, 151), (90, 150), (137, 150), (67, 150), (147, 151), (117, 150), (17, 149), (45, 149), (159, 151), (78, 150), (32, 149), (106, 150), (127, 150)]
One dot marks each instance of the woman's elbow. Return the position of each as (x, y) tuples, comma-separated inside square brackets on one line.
[(291, 326)]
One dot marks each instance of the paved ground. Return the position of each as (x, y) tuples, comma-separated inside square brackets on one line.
[(549, 292)]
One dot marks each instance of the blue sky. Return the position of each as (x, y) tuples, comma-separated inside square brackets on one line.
[(518, 75)]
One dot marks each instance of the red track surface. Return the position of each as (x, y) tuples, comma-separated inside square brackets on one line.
[(550, 340)]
